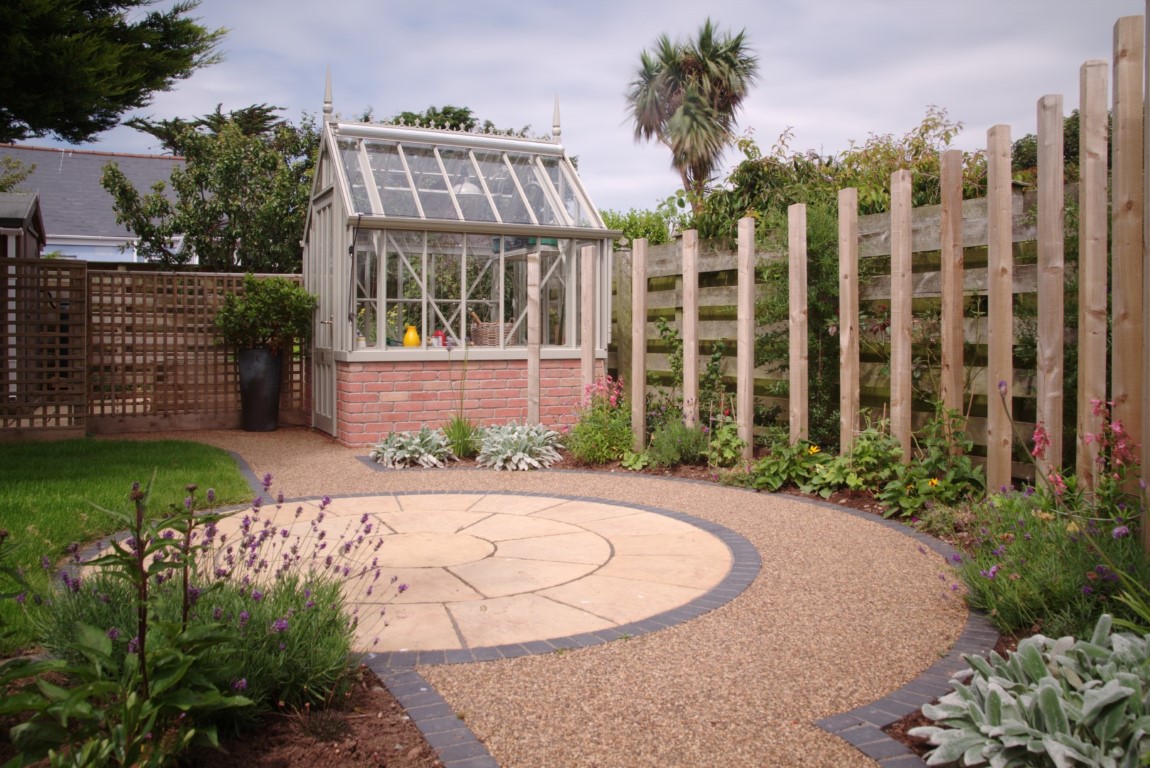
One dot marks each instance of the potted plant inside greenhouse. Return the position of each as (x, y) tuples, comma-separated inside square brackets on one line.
[(269, 318)]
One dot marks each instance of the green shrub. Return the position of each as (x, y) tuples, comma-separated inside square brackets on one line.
[(1028, 566), (675, 443), (516, 447), (602, 433), (1052, 702), (425, 448), (870, 463), (463, 436), (940, 472), (726, 447), (786, 464)]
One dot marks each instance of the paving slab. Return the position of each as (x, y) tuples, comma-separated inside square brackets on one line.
[(488, 569)]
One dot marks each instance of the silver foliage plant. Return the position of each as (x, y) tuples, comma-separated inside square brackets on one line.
[(518, 447), (425, 448), (1058, 703)]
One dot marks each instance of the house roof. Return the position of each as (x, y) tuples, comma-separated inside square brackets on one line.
[(72, 201)]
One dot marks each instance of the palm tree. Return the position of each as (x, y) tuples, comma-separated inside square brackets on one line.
[(686, 95)]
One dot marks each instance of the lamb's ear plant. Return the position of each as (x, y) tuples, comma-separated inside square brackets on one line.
[(425, 448), (1062, 702), (519, 447)]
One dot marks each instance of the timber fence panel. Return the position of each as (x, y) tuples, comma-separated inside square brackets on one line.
[(42, 349)]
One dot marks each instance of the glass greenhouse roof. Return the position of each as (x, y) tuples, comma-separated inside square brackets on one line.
[(400, 172)]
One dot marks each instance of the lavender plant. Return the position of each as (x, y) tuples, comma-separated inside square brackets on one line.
[(249, 605)]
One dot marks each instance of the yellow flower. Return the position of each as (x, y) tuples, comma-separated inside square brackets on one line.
[(933, 482), (1072, 527), (813, 450), (1042, 515)]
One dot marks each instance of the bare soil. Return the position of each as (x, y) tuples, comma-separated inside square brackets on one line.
[(368, 729)]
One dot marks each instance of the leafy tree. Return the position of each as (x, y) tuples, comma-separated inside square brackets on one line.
[(12, 172), (686, 94), (634, 224), (454, 118), (72, 68), (239, 202)]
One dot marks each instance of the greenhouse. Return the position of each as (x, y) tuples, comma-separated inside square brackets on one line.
[(456, 272)]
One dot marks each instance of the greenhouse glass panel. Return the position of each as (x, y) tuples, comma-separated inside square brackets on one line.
[(404, 267), (366, 291), (391, 179), (465, 185), (534, 190), (430, 183), (349, 154)]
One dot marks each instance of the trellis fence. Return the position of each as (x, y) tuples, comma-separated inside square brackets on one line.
[(96, 351), (950, 229)]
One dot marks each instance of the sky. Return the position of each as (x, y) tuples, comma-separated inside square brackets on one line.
[(831, 71)]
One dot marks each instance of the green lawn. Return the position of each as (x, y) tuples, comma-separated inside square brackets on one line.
[(50, 491)]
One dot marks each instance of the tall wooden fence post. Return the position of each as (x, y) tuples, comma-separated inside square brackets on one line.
[(1126, 212), (848, 317), (691, 327), (639, 344), (799, 383), (1000, 314), (1146, 288), (621, 309), (1092, 187), (1051, 274), (901, 288), (951, 266), (587, 315), (745, 339), (533, 338)]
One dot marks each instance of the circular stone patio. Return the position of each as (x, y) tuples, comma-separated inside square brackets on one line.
[(499, 569)]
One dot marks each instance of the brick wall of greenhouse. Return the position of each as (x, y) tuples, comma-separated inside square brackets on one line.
[(377, 398)]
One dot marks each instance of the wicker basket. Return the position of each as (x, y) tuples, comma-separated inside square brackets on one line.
[(485, 334)]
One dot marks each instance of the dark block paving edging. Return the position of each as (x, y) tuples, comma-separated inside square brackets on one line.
[(860, 727), (452, 740)]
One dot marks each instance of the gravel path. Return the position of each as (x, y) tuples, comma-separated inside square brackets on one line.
[(843, 612)]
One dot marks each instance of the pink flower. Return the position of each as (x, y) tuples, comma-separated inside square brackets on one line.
[(1041, 441), (1058, 483)]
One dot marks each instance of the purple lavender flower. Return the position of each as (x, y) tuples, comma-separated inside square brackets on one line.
[(244, 617), (134, 645), (267, 480), (257, 595), (217, 614), (211, 495), (240, 685), (169, 534), (956, 558), (22, 598), (113, 633), (401, 588), (1002, 387), (280, 625), (1121, 531), (324, 502), (990, 574), (46, 563)]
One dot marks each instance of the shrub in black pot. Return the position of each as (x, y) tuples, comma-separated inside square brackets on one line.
[(262, 323)]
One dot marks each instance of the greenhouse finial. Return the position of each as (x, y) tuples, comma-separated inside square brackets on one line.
[(556, 131), (327, 106)]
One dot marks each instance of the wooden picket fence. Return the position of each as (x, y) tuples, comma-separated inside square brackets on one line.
[(1000, 230), (96, 351)]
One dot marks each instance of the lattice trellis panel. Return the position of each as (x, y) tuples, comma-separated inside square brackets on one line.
[(42, 347), (154, 352)]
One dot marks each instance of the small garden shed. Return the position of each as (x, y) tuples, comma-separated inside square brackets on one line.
[(455, 271)]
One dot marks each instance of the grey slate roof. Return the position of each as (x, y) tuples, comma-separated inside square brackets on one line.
[(68, 180), (18, 209)]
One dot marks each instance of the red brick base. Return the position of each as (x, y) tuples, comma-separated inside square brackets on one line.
[(373, 399)]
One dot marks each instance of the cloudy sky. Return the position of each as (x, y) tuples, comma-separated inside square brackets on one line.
[(831, 70)]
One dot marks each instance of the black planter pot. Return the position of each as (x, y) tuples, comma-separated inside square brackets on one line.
[(260, 388)]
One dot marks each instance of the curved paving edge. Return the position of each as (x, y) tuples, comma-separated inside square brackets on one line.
[(860, 727), (449, 736)]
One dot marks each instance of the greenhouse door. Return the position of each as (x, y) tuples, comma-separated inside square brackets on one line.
[(321, 267)]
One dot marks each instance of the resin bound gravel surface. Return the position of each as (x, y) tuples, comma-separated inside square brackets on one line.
[(843, 612)]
